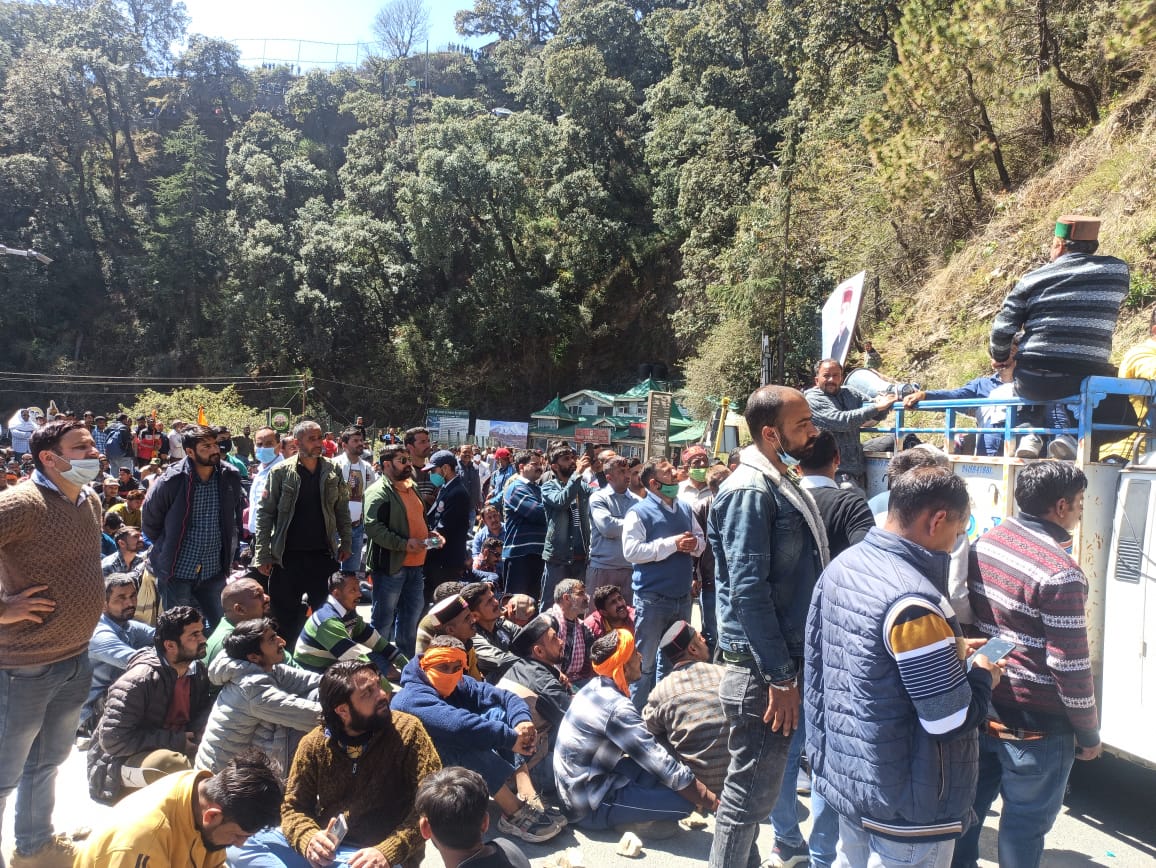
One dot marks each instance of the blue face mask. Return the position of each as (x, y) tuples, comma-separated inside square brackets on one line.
[(789, 460), (265, 454), (437, 479)]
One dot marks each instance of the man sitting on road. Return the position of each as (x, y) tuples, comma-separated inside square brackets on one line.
[(241, 600), (452, 804), (155, 712), (609, 769), (363, 763), (492, 632), (611, 612), (570, 605), (115, 641), (186, 820), (336, 632), (476, 725)]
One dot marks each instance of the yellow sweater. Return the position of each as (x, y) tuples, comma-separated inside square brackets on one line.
[(154, 828)]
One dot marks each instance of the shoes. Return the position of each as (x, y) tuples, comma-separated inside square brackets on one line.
[(1063, 447), (552, 812), (651, 830), (1030, 446), (530, 825), (786, 856), (803, 783), (57, 853)]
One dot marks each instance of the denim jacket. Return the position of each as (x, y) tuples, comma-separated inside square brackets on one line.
[(769, 545)]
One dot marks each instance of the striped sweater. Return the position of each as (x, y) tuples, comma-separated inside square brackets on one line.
[(1067, 309), (1030, 591), (684, 713), (524, 530), (332, 633)]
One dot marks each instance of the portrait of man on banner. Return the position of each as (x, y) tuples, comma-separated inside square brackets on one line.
[(840, 315)]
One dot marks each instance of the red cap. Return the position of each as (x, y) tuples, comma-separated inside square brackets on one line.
[(502, 453)]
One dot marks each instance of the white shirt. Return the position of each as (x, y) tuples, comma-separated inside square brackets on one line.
[(817, 482), (637, 549), (362, 476), (176, 449), (257, 490), (690, 495)]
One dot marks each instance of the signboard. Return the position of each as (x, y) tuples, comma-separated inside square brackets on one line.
[(599, 436), (496, 433), (448, 427), (840, 315), (280, 419), (657, 425)]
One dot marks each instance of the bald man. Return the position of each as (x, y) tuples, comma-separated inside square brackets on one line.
[(241, 600)]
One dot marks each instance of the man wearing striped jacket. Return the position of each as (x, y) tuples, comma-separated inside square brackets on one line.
[(1030, 591), (336, 632)]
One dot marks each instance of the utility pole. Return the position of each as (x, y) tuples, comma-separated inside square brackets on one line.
[(304, 390)]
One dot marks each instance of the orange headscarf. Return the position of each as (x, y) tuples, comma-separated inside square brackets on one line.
[(614, 666), (443, 682)]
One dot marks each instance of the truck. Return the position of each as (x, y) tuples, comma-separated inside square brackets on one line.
[(1114, 543)]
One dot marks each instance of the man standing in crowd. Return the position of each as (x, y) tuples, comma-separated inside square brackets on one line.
[(186, 820), (1067, 310), (1043, 712), (608, 508), (396, 528), (567, 500), (524, 531), (449, 517), (268, 449), (358, 475), (844, 412), (340, 769), (21, 434), (193, 516), (243, 443), (118, 444), (770, 547), (303, 530), (225, 444), (52, 597), (661, 538), (155, 712), (417, 444), (503, 473), (472, 479), (899, 770)]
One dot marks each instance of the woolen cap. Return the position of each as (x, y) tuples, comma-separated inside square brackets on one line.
[(448, 609), (676, 640), (534, 630), (1077, 227)]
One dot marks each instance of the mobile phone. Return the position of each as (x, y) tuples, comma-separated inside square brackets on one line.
[(994, 649), (340, 828)]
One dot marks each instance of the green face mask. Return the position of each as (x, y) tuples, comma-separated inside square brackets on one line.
[(698, 474), (670, 491)]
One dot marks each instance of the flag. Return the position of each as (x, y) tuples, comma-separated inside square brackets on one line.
[(202, 419)]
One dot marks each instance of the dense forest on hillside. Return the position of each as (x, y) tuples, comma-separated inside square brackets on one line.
[(605, 184)]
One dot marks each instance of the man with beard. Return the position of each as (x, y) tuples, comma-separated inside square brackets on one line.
[(610, 613), (193, 516), (449, 517), (770, 546), (843, 412), (115, 641), (524, 530), (661, 538), (567, 501), (341, 768), (188, 819), (303, 530), (155, 712), (397, 532)]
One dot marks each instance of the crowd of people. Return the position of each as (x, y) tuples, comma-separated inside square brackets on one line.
[(294, 650)]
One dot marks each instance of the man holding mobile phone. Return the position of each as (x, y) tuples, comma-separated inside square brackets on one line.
[(1029, 588)]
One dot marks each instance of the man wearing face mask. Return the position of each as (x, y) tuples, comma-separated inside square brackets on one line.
[(660, 537), (193, 516), (268, 450), (51, 597), (770, 545), (449, 517), (694, 488)]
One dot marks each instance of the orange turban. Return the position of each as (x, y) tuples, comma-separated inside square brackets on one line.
[(614, 666)]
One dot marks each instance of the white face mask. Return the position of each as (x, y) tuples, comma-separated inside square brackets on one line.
[(82, 470)]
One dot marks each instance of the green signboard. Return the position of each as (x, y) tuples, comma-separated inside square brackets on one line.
[(280, 419)]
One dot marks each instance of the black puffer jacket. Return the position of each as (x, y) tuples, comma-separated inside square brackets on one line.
[(134, 719)]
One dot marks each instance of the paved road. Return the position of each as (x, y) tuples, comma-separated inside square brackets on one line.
[(1109, 819)]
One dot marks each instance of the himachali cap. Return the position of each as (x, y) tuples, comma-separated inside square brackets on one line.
[(525, 638), (1076, 227), (448, 609), (693, 451), (676, 640)]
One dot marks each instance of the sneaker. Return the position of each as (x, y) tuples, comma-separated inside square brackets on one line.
[(57, 853), (786, 856), (1063, 447), (1030, 446), (803, 783), (531, 826), (552, 812)]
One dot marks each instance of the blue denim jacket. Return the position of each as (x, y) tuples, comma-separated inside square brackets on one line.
[(769, 547)]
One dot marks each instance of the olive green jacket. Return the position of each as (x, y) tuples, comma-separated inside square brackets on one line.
[(275, 511), (386, 526)]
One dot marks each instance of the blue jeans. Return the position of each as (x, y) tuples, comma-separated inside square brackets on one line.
[(398, 601), (858, 848), (1032, 777), (785, 816), (39, 713), (755, 773), (204, 595), (269, 848), (642, 799), (353, 563), (653, 615)]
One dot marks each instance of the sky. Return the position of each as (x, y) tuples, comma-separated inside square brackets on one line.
[(288, 30)]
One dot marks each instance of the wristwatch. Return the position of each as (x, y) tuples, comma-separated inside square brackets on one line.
[(784, 686)]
